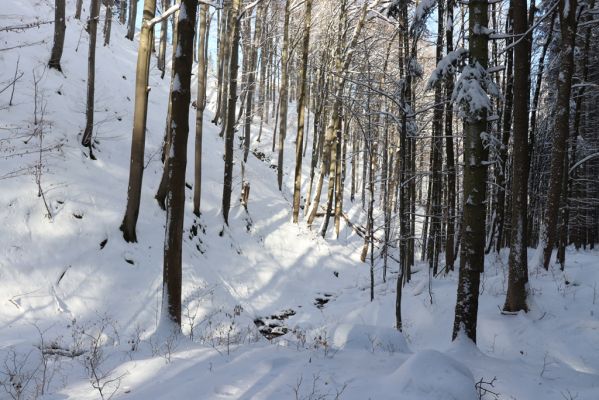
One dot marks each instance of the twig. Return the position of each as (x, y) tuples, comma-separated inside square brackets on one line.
[(36, 24), (19, 46), (12, 93)]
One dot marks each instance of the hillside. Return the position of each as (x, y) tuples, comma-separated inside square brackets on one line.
[(70, 285)]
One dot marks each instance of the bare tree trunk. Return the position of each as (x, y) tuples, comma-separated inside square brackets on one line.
[(518, 261), (123, 11), (59, 32), (140, 112), (177, 161), (223, 99), (108, 21), (340, 173), (78, 7), (283, 95), (86, 140), (230, 110), (434, 246), (221, 61), (200, 106), (264, 56), (162, 45), (251, 80), (162, 188), (451, 196), (132, 17), (301, 109)]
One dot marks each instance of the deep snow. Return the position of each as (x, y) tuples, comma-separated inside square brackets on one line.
[(73, 277)]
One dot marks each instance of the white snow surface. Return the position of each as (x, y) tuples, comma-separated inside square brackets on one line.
[(74, 278)]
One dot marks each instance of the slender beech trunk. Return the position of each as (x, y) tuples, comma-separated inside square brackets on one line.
[(262, 89), (339, 165), (132, 17), (140, 112), (221, 60), (221, 111), (78, 7), (162, 45), (86, 140), (123, 12), (451, 189), (162, 188), (230, 110), (59, 32), (200, 106), (177, 161), (301, 109), (434, 246), (283, 95), (108, 21), (251, 79)]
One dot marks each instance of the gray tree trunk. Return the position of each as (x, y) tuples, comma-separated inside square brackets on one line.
[(132, 17), (140, 112), (59, 33), (86, 140), (283, 95), (301, 110), (518, 261), (230, 110), (175, 200), (200, 106)]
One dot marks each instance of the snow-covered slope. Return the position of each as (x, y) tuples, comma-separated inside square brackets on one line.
[(69, 279)]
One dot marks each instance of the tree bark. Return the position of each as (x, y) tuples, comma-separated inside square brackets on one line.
[(86, 140), (123, 11), (132, 17), (140, 112), (518, 261), (451, 189), (230, 110), (301, 109), (78, 7), (200, 106), (59, 33), (175, 200), (472, 255), (434, 245), (251, 80), (283, 95), (108, 21), (162, 46)]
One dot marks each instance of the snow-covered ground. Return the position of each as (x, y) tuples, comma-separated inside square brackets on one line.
[(69, 283)]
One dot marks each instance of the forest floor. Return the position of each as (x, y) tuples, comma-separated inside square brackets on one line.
[(271, 309)]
